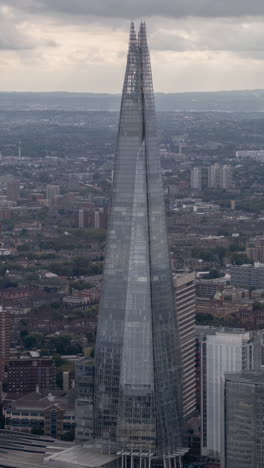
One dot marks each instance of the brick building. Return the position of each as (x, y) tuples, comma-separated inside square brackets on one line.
[(25, 375), (52, 413), (5, 338)]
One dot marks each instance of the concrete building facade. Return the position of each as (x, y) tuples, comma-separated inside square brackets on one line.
[(25, 375), (52, 192), (184, 284), (13, 190), (247, 276), (221, 351), (243, 445), (196, 178)]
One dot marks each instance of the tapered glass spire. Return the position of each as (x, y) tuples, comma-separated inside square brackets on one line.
[(138, 405)]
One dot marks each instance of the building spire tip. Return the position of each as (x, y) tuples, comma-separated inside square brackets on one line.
[(132, 38)]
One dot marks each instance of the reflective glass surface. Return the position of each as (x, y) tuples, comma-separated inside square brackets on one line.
[(244, 420), (138, 373)]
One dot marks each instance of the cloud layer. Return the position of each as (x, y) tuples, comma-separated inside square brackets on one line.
[(138, 8), (15, 34), (244, 38), (80, 45)]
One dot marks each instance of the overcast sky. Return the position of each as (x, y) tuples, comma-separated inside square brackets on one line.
[(81, 45)]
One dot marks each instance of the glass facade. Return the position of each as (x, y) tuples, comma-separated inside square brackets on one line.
[(138, 405), (244, 421), (84, 403), (221, 352)]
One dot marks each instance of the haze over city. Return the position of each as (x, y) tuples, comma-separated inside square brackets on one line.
[(80, 46)]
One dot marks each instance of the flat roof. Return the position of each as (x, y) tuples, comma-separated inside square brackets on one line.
[(248, 377), (83, 456), (23, 450)]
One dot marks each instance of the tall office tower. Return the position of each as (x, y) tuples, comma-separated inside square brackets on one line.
[(196, 178), (5, 339), (184, 284), (138, 402), (221, 351), (243, 445), (52, 191), (13, 190), (226, 177)]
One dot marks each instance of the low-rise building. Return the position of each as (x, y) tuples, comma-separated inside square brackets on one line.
[(221, 308), (52, 414), (248, 276)]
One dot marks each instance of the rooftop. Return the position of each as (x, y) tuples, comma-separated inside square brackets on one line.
[(81, 456), (42, 400), (249, 377), (20, 450), (211, 330)]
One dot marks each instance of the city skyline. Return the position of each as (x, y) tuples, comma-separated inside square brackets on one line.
[(60, 164), (51, 46)]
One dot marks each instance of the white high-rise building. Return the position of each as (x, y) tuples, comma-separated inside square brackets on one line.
[(52, 191), (222, 351), (220, 176), (214, 176), (226, 177), (196, 178)]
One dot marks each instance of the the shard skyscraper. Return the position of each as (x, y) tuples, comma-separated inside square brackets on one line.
[(138, 406)]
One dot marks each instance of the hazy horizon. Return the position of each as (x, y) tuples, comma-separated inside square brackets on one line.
[(120, 93)]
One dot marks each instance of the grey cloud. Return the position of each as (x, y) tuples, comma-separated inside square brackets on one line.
[(13, 37), (143, 8), (14, 40), (217, 35), (10, 36), (13, 43)]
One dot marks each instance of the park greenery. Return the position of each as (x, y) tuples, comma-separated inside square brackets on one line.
[(49, 346), (218, 254), (79, 266)]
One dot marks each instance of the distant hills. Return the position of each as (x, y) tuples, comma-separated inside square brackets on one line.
[(224, 101)]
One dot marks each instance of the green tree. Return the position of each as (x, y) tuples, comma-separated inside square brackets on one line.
[(5, 283), (209, 319), (35, 340), (240, 259)]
